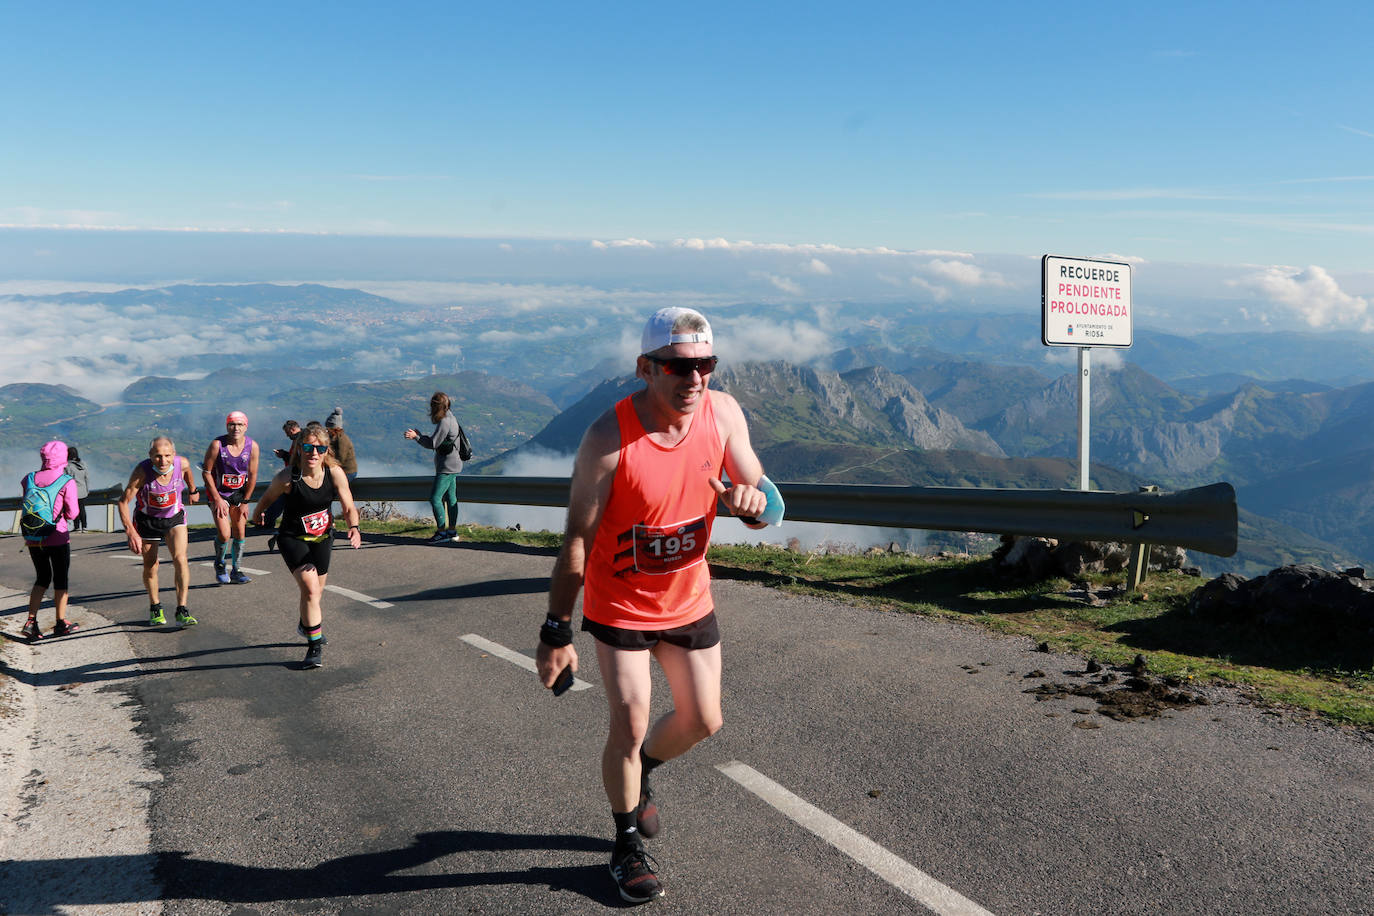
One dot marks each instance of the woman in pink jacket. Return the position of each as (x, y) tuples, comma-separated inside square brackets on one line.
[(52, 556)]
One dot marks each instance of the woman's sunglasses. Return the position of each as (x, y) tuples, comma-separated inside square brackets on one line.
[(686, 365), (312, 447)]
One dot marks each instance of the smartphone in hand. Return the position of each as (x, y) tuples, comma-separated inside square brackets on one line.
[(563, 682)]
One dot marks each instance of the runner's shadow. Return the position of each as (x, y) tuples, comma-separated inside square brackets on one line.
[(532, 586), (185, 877), (124, 669)]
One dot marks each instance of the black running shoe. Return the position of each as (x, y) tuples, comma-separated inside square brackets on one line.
[(633, 875), (314, 655), (646, 813)]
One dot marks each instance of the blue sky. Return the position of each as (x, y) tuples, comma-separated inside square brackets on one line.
[(1222, 133)]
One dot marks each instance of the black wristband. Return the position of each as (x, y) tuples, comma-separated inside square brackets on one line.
[(556, 632)]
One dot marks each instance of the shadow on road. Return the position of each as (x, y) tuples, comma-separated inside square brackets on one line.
[(399, 540), (532, 586), (122, 669), (185, 877)]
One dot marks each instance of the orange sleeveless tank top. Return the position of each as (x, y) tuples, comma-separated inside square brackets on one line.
[(647, 569)]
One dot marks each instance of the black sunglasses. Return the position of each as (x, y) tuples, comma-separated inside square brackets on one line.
[(686, 365), (313, 447)]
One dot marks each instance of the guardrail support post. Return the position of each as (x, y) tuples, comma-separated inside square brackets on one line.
[(109, 517), (1139, 565)]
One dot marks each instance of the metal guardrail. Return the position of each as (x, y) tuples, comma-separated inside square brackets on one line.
[(1203, 518)]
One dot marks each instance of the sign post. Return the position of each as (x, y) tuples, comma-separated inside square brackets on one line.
[(1084, 303)]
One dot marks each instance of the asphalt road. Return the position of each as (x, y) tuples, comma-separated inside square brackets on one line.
[(870, 762)]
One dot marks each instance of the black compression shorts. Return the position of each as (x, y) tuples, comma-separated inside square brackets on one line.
[(50, 564), (152, 528), (699, 634), (297, 552)]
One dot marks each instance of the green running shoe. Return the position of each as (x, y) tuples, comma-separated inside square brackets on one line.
[(185, 619), (155, 616)]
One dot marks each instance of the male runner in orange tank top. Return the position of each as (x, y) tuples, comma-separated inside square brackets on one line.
[(645, 488)]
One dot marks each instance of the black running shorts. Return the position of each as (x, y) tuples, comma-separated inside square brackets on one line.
[(235, 497), (297, 552), (152, 528), (699, 634)]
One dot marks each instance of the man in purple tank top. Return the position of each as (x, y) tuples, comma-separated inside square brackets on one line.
[(230, 472), (160, 518)]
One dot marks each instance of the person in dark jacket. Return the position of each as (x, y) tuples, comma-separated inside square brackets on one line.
[(443, 496), (77, 471), (340, 446)]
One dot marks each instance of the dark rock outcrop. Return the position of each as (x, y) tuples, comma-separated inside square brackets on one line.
[(1042, 558), (1309, 598)]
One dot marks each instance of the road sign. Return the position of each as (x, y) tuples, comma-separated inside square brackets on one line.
[(1084, 302)]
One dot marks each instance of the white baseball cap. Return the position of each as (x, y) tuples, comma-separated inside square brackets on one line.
[(658, 333)]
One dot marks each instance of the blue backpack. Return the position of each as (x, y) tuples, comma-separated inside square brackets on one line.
[(37, 519)]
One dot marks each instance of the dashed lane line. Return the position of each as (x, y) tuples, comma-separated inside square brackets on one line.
[(378, 603), (901, 874), (510, 655)]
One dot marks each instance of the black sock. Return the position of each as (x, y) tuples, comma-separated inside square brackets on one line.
[(626, 833)]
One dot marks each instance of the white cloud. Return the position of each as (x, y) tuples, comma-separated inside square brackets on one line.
[(963, 274), (756, 339), (1314, 295), (938, 293), (1123, 258), (811, 249), (784, 284), (622, 243), (817, 266)]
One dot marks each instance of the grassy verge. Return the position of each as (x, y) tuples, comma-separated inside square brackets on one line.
[(1280, 669)]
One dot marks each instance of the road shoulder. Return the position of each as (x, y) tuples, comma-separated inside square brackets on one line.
[(76, 779)]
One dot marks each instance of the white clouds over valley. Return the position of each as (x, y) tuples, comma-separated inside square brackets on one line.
[(965, 273), (1314, 295)]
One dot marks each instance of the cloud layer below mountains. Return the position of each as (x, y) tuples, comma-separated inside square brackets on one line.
[(585, 288)]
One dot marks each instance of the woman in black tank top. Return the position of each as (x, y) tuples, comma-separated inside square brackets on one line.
[(311, 484)]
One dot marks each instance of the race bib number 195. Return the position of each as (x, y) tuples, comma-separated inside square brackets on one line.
[(662, 550)]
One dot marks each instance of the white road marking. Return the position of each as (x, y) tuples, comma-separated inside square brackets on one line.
[(896, 871), (378, 603), (510, 655)]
